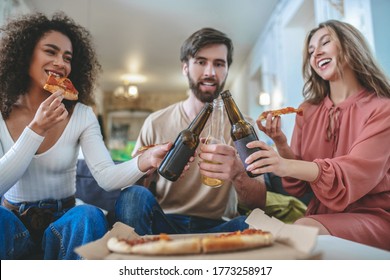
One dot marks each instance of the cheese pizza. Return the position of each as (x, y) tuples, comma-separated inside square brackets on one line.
[(218, 243)]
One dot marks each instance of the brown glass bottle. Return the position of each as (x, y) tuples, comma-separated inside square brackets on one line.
[(184, 146), (242, 132)]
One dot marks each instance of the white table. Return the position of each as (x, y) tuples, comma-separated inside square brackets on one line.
[(334, 248)]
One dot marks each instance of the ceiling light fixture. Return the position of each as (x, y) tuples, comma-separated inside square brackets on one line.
[(129, 89), (264, 99), (126, 92)]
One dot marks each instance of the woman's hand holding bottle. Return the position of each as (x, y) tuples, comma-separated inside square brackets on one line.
[(150, 159)]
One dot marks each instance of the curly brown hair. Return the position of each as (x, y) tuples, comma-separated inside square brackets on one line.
[(18, 40)]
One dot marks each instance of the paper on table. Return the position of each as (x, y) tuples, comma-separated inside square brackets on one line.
[(302, 238)]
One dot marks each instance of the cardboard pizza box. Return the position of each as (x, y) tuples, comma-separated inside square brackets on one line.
[(291, 242)]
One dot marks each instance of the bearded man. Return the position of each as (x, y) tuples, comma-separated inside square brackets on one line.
[(188, 206)]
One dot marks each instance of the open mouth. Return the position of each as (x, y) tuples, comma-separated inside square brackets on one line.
[(208, 85), (323, 62), (53, 73)]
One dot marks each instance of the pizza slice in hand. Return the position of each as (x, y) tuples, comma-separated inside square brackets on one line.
[(278, 112), (55, 83), (143, 149)]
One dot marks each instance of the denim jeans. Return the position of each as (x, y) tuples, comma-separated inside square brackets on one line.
[(138, 208), (75, 227)]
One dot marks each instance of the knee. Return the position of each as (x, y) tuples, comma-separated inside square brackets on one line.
[(134, 201), (238, 223), (135, 195), (242, 222), (306, 221), (88, 215), (89, 212)]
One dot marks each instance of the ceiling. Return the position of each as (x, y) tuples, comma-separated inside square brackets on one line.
[(144, 36)]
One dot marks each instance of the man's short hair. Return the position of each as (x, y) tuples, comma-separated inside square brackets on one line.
[(202, 38)]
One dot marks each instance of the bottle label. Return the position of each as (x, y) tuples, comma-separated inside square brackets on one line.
[(174, 162), (242, 150)]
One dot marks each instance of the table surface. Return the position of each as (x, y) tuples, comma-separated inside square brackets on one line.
[(335, 248)]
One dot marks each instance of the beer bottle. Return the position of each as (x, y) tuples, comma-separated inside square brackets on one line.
[(242, 132), (215, 136), (184, 146)]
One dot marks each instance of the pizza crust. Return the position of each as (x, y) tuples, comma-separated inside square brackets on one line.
[(117, 246), (213, 244), (182, 246)]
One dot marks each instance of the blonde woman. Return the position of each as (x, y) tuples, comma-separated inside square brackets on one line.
[(339, 148)]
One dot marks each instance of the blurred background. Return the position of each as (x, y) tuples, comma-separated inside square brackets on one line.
[(138, 43)]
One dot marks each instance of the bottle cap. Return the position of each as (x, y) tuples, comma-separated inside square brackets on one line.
[(225, 94)]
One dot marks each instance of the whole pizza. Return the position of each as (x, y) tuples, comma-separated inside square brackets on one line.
[(164, 244)]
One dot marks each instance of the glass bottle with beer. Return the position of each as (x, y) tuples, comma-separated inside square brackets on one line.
[(215, 136), (184, 146), (242, 132)]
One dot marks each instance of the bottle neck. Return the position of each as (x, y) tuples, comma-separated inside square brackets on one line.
[(232, 110), (200, 120), (216, 131)]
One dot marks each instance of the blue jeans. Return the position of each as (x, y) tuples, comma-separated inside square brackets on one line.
[(75, 227), (138, 208)]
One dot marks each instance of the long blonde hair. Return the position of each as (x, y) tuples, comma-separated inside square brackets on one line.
[(355, 51)]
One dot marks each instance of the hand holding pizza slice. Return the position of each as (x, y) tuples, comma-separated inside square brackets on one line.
[(55, 83), (143, 149)]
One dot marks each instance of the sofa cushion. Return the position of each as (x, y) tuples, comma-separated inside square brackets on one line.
[(88, 190)]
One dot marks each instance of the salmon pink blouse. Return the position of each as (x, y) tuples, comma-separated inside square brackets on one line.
[(350, 144)]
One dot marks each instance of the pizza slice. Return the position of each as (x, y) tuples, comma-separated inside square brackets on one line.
[(235, 241), (158, 245), (278, 112), (55, 83)]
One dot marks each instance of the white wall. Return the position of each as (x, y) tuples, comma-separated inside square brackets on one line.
[(10, 8), (381, 23)]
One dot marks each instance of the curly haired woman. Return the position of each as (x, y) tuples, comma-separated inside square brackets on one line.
[(40, 137)]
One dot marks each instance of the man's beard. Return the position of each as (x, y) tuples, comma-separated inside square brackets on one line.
[(204, 96)]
